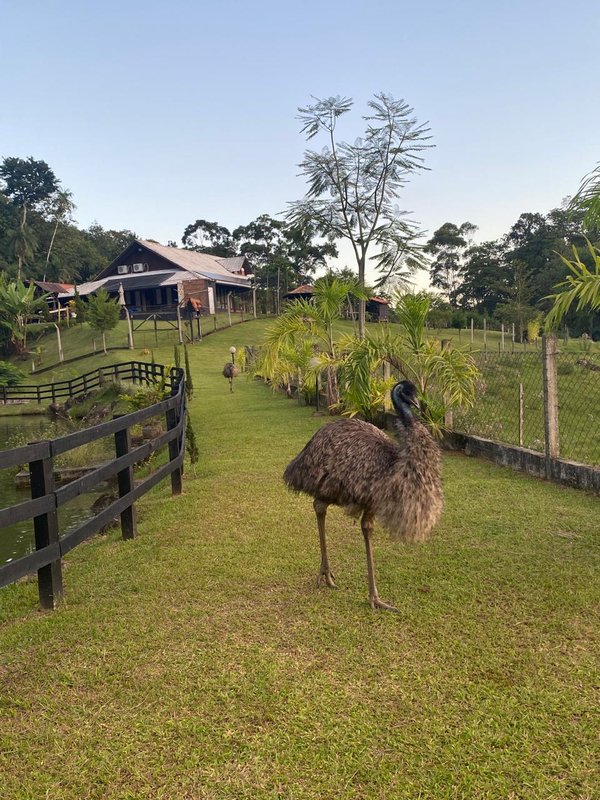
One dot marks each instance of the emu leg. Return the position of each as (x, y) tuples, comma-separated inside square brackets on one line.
[(231, 384), (325, 573), (367, 524)]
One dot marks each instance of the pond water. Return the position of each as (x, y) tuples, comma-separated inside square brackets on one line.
[(18, 540)]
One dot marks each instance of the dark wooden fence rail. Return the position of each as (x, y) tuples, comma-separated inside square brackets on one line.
[(137, 371), (46, 498)]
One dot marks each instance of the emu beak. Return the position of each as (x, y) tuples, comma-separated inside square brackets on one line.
[(414, 402)]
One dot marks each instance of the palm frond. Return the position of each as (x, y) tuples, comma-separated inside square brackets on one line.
[(587, 199), (581, 286)]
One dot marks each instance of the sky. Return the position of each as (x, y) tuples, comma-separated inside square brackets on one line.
[(155, 114)]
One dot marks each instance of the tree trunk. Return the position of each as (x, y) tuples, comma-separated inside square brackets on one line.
[(362, 305), (333, 395), (20, 256), (50, 246), (104, 343)]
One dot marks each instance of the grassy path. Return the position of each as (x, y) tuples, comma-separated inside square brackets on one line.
[(201, 661)]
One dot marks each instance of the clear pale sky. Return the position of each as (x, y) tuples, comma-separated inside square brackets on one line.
[(155, 114)]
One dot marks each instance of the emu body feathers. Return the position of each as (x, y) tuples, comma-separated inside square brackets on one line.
[(352, 464)]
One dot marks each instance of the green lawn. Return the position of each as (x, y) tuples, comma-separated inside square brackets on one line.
[(201, 660)]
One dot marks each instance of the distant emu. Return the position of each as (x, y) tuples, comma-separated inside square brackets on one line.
[(230, 371), (354, 465)]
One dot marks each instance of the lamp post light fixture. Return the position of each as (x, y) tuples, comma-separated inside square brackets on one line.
[(233, 351)]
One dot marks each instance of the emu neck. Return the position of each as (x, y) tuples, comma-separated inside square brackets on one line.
[(405, 414)]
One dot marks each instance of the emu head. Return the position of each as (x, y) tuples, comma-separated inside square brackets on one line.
[(404, 395)]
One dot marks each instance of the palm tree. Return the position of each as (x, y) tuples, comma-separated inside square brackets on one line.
[(307, 327), (22, 244), (581, 286), (18, 304)]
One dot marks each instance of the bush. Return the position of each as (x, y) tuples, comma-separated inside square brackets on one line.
[(10, 375)]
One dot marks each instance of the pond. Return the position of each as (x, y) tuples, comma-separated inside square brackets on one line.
[(18, 540)]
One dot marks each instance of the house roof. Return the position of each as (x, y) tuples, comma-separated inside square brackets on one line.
[(182, 265), (53, 287), (304, 289), (379, 300), (188, 260), (236, 264), (154, 279)]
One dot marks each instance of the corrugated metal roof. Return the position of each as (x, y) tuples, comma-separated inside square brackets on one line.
[(235, 264), (54, 287), (192, 261), (158, 277)]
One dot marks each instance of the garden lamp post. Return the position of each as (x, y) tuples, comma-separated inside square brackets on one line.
[(233, 351)]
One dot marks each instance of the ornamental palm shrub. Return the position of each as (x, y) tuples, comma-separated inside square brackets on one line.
[(582, 285), (306, 327), (445, 378)]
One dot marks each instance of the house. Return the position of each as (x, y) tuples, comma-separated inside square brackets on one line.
[(59, 294), (151, 277), (304, 292), (377, 308)]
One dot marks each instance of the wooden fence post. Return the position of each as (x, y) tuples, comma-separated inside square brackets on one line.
[(485, 350), (172, 417), (125, 484), (45, 526), (550, 400)]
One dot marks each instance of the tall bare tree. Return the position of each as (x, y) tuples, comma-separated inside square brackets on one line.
[(352, 188), (60, 207)]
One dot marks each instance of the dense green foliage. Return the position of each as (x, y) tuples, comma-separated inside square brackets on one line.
[(18, 304), (282, 256), (10, 375), (513, 280), (37, 233)]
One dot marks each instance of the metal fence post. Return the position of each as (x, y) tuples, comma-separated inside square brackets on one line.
[(125, 484), (45, 526), (550, 399), (521, 413)]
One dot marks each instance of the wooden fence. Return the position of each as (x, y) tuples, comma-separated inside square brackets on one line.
[(47, 498), (136, 371)]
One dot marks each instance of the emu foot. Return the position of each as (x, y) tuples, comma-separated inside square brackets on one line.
[(327, 577), (377, 603)]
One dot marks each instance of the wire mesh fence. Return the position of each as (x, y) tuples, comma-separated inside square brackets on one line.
[(509, 405)]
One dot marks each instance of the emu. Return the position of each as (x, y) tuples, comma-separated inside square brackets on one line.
[(230, 371), (352, 464)]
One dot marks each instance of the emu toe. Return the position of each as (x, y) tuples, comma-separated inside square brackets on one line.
[(327, 577), (377, 603)]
